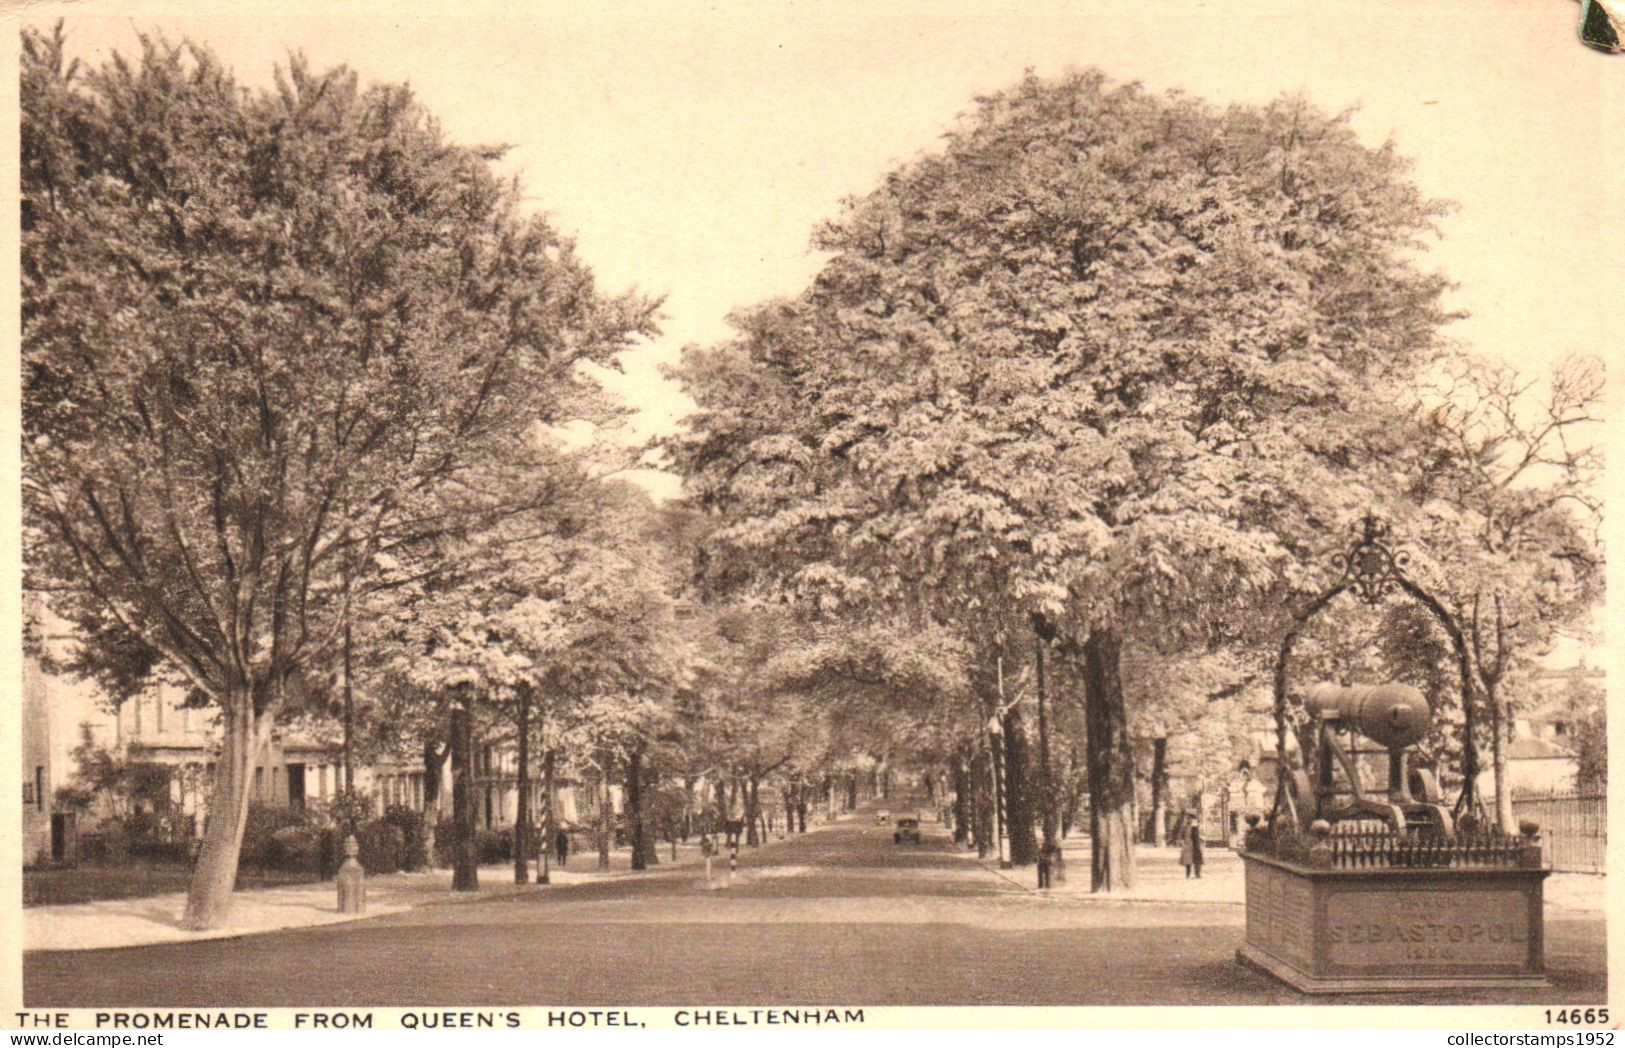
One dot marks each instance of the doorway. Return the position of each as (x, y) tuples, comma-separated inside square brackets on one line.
[(296, 787), (61, 835)]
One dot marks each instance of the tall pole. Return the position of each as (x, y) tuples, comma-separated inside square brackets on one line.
[(998, 790), (521, 822), (349, 697), (994, 730), (551, 833), (349, 701), (1052, 822)]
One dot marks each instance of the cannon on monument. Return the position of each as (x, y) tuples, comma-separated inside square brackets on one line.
[(1395, 716), (1352, 889)]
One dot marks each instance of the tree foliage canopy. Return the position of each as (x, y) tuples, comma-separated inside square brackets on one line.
[(1113, 354), (258, 327)]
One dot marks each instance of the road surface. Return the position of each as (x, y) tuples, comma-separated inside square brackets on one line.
[(839, 916)]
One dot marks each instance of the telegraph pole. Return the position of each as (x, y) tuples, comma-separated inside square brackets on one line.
[(995, 735)]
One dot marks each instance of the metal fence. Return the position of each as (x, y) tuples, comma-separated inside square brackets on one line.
[(1385, 849), (1573, 828)]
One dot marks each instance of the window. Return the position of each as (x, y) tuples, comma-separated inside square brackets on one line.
[(39, 786)]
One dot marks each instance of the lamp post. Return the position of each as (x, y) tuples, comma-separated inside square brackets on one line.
[(995, 732)]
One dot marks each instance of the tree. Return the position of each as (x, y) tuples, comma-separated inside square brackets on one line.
[(1114, 360), (1587, 705), (259, 328), (552, 618), (1510, 518), (1212, 697), (750, 723)]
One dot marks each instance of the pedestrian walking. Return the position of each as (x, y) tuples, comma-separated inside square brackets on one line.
[(1046, 865), (561, 848), (1190, 846)]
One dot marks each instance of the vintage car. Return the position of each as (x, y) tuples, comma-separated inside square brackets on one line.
[(907, 830), (882, 816)]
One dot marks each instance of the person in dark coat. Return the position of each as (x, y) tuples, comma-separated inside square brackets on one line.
[(561, 847), (1190, 846)]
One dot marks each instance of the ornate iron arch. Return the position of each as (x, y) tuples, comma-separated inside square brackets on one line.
[(1372, 570)]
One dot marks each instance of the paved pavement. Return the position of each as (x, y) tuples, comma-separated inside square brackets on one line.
[(841, 915), (151, 919), (1160, 878)]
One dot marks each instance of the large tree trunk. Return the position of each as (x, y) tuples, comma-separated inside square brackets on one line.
[(465, 868), (1111, 765), (214, 877), (985, 828), (634, 806), (521, 822), (433, 758), (1159, 791), (1018, 799), (1499, 744), (1048, 809), (962, 802), (643, 849), (605, 824), (552, 831), (852, 792), (349, 708)]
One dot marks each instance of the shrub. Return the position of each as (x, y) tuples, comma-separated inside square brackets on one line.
[(136, 837), (494, 846), (105, 846), (292, 849), (382, 847), (349, 809), (160, 850), (409, 821), (445, 832), (261, 849)]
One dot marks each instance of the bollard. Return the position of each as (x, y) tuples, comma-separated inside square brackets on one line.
[(352, 879)]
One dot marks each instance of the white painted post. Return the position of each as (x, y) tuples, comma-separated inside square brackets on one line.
[(352, 879)]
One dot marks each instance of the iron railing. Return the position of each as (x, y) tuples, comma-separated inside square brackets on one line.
[(1361, 848)]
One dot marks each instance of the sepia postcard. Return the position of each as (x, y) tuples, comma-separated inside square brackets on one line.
[(774, 516)]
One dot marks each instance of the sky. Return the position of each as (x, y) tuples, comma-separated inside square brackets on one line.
[(692, 147)]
